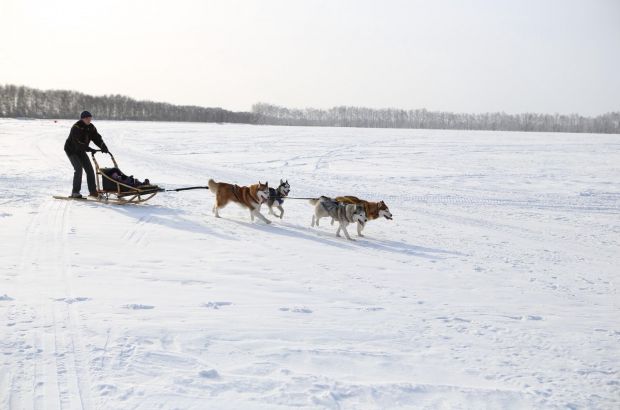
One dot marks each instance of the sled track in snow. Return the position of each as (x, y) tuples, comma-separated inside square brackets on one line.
[(24, 377), (66, 328), (51, 372), (138, 231)]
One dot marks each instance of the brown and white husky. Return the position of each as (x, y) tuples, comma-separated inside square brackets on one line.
[(250, 197)]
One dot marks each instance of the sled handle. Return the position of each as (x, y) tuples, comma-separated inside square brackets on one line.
[(92, 154), (98, 150)]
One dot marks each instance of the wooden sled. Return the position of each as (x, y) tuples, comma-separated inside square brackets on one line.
[(114, 191)]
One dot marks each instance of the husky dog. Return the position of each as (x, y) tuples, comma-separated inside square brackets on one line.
[(276, 197), (374, 210), (250, 197), (343, 213)]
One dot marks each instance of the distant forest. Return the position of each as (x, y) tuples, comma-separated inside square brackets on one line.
[(421, 118), (25, 102), (20, 102)]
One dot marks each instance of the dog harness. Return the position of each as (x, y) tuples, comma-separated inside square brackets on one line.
[(237, 188), (336, 208), (276, 196)]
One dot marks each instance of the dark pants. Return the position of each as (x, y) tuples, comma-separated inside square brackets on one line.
[(80, 161)]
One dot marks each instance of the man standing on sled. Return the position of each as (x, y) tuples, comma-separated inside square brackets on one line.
[(76, 147)]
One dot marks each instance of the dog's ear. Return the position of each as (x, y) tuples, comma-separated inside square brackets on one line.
[(267, 183), (281, 180), (286, 181)]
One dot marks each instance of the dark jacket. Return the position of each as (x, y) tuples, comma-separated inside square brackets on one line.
[(80, 136)]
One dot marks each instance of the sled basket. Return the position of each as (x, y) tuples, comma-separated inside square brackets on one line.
[(122, 189)]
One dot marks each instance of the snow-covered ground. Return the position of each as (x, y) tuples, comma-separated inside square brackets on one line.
[(495, 286)]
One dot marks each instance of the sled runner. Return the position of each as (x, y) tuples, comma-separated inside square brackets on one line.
[(98, 200)]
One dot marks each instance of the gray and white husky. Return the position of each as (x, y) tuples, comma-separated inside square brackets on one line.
[(277, 196), (342, 213)]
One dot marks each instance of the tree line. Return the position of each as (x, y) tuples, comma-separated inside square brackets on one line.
[(346, 116), (20, 102), (26, 102)]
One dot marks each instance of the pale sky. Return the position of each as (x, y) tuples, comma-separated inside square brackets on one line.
[(466, 56)]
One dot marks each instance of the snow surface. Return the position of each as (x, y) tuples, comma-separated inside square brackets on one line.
[(495, 286)]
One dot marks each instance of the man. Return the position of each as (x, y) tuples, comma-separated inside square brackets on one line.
[(76, 147)]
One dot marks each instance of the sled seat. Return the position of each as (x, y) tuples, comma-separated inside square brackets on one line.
[(109, 184)]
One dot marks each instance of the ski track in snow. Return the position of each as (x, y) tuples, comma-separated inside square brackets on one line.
[(495, 286)]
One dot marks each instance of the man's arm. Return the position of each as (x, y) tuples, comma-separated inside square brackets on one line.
[(98, 140)]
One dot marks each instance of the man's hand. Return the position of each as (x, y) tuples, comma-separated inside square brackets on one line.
[(104, 149)]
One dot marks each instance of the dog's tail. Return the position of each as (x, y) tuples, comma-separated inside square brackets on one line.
[(315, 201), (213, 186)]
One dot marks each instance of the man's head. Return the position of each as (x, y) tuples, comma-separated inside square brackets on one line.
[(86, 117)]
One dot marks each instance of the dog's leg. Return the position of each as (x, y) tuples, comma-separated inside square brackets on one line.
[(270, 210), (359, 229), (344, 229), (260, 216), (317, 220), (216, 211), (281, 211), (338, 230), (333, 221)]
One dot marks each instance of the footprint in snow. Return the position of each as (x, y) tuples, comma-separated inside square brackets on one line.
[(106, 389), (5, 297), (452, 319), (373, 309), (528, 317), (209, 374), (137, 306), (296, 309), (216, 305), (72, 300)]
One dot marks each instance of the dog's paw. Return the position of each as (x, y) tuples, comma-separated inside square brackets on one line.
[(267, 222)]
